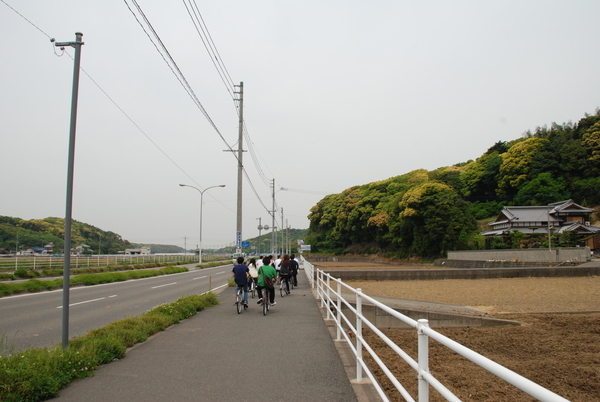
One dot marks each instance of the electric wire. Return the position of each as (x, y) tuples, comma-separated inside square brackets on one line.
[(182, 80), (171, 63), (107, 95), (209, 45), (188, 89)]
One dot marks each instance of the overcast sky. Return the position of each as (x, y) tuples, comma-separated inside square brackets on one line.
[(336, 94)]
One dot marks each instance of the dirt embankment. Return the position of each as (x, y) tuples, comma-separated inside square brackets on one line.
[(557, 346)]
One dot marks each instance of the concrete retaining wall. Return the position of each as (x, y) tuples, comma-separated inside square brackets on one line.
[(475, 273), (581, 254)]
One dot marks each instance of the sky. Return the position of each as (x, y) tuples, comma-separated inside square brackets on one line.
[(336, 94)]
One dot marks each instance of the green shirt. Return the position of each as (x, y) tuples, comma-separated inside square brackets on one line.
[(268, 270)]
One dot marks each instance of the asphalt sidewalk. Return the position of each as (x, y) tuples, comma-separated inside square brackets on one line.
[(219, 355)]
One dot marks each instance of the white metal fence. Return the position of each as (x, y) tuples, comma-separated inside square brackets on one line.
[(329, 290), (9, 264)]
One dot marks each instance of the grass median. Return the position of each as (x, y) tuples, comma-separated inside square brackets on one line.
[(39, 374)]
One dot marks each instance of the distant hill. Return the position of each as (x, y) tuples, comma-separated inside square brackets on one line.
[(19, 234), (160, 248)]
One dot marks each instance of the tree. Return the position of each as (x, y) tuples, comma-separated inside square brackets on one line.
[(433, 220), (517, 163), (542, 190), (480, 178)]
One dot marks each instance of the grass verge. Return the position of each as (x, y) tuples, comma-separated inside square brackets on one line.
[(38, 374)]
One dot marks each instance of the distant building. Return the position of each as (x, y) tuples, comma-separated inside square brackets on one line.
[(141, 250), (558, 217)]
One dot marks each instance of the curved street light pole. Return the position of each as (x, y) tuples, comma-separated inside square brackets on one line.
[(201, 196)]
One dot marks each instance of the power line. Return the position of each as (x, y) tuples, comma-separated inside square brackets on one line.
[(209, 45), (108, 96), (171, 63)]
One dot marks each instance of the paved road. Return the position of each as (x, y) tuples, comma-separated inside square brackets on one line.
[(218, 355), (35, 320)]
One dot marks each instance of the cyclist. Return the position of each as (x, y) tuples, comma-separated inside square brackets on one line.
[(266, 270), (252, 266), (240, 275), (294, 266), (284, 272)]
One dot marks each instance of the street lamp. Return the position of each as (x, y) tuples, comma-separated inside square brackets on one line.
[(201, 195)]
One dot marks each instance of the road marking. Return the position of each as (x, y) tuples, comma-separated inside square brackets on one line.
[(200, 277), (160, 286), (83, 302), (222, 272)]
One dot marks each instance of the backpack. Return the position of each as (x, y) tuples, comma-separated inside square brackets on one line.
[(284, 269)]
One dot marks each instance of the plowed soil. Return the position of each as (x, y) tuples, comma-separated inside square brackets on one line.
[(557, 346)]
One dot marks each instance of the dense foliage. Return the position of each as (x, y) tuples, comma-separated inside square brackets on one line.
[(18, 233), (426, 213)]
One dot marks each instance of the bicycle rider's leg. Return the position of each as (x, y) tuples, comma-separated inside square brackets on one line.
[(245, 287), (259, 291), (271, 295)]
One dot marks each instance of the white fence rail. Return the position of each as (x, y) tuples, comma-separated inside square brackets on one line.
[(329, 290), (9, 264)]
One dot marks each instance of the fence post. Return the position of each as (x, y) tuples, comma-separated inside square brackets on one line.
[(320, 288), (423, 350), (358, 335), (339, 310), (328, 298)]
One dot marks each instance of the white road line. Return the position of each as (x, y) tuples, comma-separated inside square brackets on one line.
[(160, 286), (200, 277), (83, 302), (222, 272)]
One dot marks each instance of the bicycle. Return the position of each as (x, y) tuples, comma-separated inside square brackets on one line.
[(239, 300), (265, 300), (252, 288), (282, 288)]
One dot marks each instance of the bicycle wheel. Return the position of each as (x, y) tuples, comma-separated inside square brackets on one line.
[(282, 291), (253, 290), (265, 305), (238, 303)]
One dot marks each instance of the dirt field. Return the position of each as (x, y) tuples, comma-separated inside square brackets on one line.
[(557, 346)]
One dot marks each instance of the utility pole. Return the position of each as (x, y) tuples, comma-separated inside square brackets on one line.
[(273, 222), (282, 234), (69, 202), (240, 152)]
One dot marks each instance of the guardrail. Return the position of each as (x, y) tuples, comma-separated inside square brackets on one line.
[(333, 301), (9, 264)]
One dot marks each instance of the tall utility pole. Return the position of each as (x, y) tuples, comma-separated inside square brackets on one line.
[(273, 222), (69, 202), (240, 151), (282, 234)]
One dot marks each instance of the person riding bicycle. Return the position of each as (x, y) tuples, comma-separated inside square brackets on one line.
[(284, 272), (266, 270), (294, 266), (240, 276), (253, 272)]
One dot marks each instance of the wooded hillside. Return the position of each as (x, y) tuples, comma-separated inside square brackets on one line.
[(426, 213), (22, 234)]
